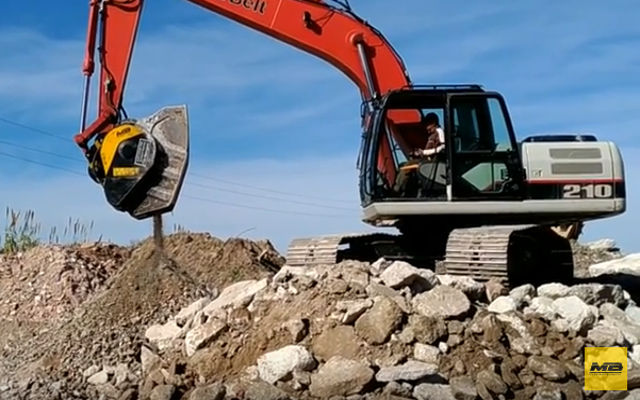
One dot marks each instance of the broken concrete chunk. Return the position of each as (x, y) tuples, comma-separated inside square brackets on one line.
[(502, 304), (239, 294), (378, 323), (203, 335), (340, 377), (412, 370), (279, 364), (163, 336), (442, 302)]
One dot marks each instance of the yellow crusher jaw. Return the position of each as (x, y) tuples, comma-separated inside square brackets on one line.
[(141, 164)]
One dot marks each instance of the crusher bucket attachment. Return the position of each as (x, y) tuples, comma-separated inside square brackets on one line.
[(141, 164), (514, 255)]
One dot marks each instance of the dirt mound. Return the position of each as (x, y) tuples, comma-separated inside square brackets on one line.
[(48, 282), (108, 328)]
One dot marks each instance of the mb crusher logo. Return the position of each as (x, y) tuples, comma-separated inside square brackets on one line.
[(605, 368)]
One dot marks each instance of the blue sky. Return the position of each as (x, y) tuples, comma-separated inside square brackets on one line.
[(266, 115)]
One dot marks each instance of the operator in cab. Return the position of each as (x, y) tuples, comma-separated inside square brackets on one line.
[(434, 145), (435, 140)]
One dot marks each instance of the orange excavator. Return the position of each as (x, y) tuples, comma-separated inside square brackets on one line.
[(482, 204)]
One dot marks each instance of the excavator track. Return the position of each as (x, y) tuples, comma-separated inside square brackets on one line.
[(480, 253), (511, 254), (331, 249)]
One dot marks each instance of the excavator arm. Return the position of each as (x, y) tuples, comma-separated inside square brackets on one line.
[(141, 164)]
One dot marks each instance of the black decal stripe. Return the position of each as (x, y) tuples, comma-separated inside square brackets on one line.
[(555, 190)]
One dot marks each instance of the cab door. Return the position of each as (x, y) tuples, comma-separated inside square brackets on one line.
[(485, 163)]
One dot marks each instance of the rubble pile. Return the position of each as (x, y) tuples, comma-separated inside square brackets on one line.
[(217, 323), (49, 282), (386, 330), (588, 254), (48, 360)]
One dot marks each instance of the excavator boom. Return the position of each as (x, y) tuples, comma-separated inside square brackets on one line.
[(142, 172), (333, 34)]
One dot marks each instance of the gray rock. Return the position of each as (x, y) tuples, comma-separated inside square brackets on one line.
[(619, 319), (393, 390), (442, 302), (379, 266), (203, 335), (376, 290), (432, 391), (164, 336), (338, 341), (634, 354), (263, 391), (597, 293), (427, 330), (553, 290), (186, 315), (629, 265), (576, 312), (279, 364), (148, 359), (297, 328), (546, 393), (542, 306), (523, 294), (604, 334), (239, 294), (400, 274), (412, 370), (407, 335), (99, 378), (91, 371), (287, 272), (547, 367), (340, 377), (494, 289), (491, 381), (519, 336), (502, 304), (602, 244), (353, 309), (561, 325), (633, 313), (162, 392), (443, 347), (121, 374), (214, 391), (376, 325), (474, 290), (426, 353), (463, 388)]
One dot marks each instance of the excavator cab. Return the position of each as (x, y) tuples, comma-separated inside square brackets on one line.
[(480, 160)]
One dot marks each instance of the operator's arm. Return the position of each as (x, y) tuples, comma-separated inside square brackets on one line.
[(437, 149)]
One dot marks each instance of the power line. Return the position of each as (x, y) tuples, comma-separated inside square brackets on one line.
[(201, 176), (263, 208), (32, 129), (269, 190), (40, 163), (237, 205), (51, 153), (268, 197)]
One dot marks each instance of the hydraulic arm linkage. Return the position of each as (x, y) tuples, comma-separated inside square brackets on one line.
[(141, 164)]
